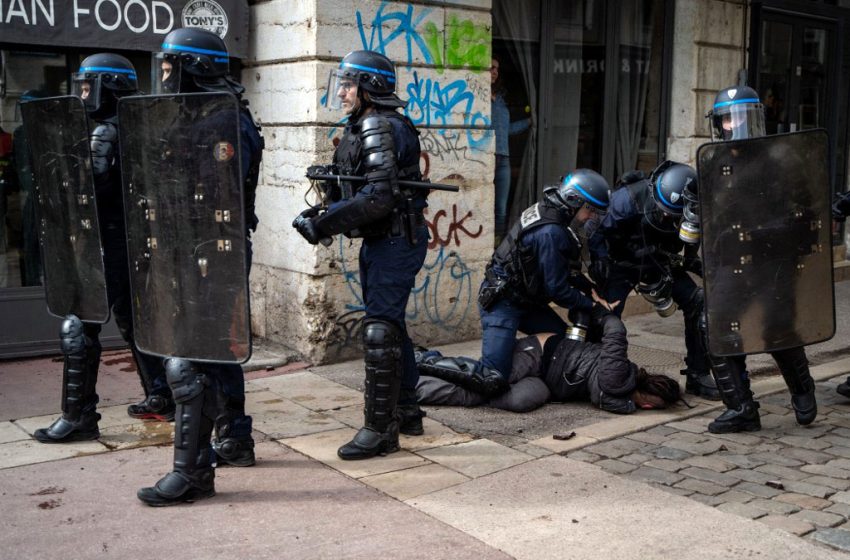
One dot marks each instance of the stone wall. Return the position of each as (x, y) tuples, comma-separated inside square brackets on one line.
[(709, 49), (308, 297)]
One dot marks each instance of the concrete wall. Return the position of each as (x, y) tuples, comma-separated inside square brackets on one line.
[(308, 297), (708, 51)]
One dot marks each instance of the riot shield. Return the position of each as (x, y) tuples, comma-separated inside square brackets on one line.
[(766, 242), (186, 236), (69, 234)]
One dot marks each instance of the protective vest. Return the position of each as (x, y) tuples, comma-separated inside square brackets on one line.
[(519, 262)]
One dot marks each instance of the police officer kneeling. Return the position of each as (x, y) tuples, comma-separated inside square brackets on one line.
[(381, 145)]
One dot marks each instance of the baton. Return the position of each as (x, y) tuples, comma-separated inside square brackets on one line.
[(402, 183)]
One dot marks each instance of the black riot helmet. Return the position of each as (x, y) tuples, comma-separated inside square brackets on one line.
[(369, 72), (668, 183), (192, 60), (737, 114), (582, 187), (101, 80)]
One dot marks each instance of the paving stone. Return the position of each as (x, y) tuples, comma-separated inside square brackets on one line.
[(843, 452), (410, 483), (782, 472), (773, 506), (744, 439), (826, 470), (661, 431), (665, 465), (744, 510), (841, 498), (818, 518), (582, 455), (688, 426), (12, 432), (830, 482), (705, 499), (720, 479), (647, 437), (810, 431), (839, 463), (804, 442), (809, 489), (528, 448), (735, 496), (649, 474), (476, 458), (836, 538), (752, 476), (636, 458), (711, 462), (795, 526), (777, 459), (615, 466), (834, 439), (673, 489), (311, 391), (688, 437), (774, 408), (807, 456), (843, 432), (759, 490), (743, 461), (702, 486), (615, 448), (803, 500), (702, 448), (840, 509), (670, 453)]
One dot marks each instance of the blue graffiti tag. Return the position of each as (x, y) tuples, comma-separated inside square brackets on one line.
[(405, 29), (431, 102)]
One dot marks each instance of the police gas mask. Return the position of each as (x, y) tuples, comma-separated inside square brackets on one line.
[(580, 322), (658, 292), (689, 229)]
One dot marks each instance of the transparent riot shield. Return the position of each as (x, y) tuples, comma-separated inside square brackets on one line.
[(57, 130), (766, 242), (180, 160)]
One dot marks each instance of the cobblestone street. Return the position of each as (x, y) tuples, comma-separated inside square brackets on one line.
[(786, 476)]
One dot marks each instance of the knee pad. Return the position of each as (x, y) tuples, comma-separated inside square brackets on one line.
[(185, 380), (72, 336), (382, 341)]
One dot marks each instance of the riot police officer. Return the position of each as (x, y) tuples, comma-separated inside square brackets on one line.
[(210, 396), (840, 210), (382, 145), (637, 246), (538, 262), (738, 114), (101, 80)]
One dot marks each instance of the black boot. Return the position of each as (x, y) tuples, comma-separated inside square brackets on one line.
[(193, 477), (844, 388), (742, 413), (467, 373), (701, 384), (379, 436), (79, 378), (794, 367), (410, 415), (153, 407)]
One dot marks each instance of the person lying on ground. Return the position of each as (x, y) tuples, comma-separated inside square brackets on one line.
[(549, 367)]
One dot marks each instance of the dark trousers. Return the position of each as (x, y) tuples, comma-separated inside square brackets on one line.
[(388, 269)]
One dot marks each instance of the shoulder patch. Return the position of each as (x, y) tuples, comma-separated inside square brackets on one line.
[(530, 215), (223, 151)]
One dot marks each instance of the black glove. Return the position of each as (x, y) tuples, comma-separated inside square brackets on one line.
[(307, 228), (841, 207), (598, 314), (600, 270)]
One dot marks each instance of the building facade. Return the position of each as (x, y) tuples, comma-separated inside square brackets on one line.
[(606, 84)]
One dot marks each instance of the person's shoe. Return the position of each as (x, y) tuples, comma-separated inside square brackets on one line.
[(368, 443), (235, 452), (154, 407), (805, 407), (64, 431), (844, 388), (410, 419), (178, 488), (701, 384), (742, 419)]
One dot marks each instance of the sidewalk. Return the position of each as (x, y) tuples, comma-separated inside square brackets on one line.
[(481, 483)]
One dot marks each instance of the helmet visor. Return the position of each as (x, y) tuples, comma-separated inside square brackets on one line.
[(738, 121), (86, 86), (342, 91), (165, 73)]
